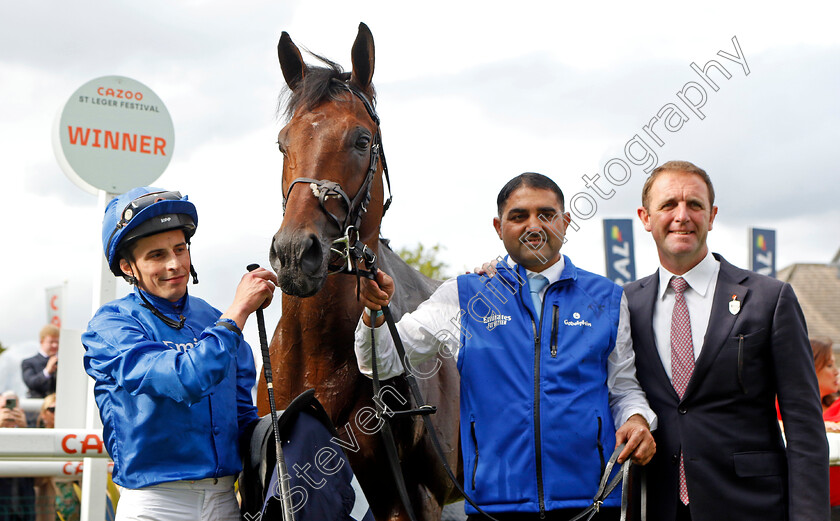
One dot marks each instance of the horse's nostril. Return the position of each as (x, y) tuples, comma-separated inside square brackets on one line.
[(276, 253), (311, 256)]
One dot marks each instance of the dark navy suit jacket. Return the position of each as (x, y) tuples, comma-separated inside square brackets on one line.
[(736, 463), (33, 375)]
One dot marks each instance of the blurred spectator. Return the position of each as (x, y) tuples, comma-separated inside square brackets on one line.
[(40, 370), (11, 415), (829, 379), (59, 501), (46, 418), (17, 495)]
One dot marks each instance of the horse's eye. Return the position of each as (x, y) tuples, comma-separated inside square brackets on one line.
[(280, 147), (362, 142)]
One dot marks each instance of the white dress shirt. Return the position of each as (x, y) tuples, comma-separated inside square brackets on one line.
[(435, 327), (702, 281)]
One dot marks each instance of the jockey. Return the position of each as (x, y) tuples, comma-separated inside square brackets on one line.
[(173, 374)]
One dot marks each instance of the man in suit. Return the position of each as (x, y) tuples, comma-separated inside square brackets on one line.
[(39, 371), (715, 345)]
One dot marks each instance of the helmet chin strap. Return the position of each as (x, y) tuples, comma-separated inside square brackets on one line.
[(176, 324), (192, 268)]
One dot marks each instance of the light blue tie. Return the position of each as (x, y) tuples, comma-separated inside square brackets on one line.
[(537, 283)]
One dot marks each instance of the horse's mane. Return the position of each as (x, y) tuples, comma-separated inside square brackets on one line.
[(318, 85)]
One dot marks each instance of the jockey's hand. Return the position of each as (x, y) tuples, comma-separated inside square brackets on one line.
[(255, 291), (375, 294), (488, 268), (636, 434)]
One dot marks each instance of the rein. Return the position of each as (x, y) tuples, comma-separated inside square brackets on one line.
[(423, 410)]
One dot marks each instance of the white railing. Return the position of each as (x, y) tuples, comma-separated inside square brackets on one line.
[(833, 448), (68, 470), (31, 404), (52, 443)]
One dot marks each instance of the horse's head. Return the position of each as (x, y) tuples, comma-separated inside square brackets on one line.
[(331, 164)]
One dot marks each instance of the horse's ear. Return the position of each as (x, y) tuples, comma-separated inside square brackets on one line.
[(363, 58), (291, 62)]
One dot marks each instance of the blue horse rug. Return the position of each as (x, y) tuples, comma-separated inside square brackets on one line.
[(321, 484)]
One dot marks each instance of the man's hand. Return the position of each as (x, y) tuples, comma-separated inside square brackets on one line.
[(51, 365), (254, 292), (636, 434), (12, 418), (375, 294), (488, 268)]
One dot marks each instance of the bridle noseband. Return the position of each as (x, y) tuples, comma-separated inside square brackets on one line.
[(348, 247)]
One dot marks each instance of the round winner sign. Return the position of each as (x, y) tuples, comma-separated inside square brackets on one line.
[(113, 134)]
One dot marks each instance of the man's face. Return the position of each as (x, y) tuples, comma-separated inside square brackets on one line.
[(532, 227), (161, 265), (679, 216), (49, 345)]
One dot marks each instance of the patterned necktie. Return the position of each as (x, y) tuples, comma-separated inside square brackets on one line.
[(682, 357), (537, 283)]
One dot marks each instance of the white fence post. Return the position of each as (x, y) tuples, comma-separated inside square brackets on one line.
[(95, 480)]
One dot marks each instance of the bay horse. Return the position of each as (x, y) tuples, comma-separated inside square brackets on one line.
[(333, 187)]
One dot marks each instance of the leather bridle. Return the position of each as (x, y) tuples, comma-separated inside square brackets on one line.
[(347, 247)]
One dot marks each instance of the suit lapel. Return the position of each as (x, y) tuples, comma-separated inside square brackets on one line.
[(721, 319), (647, 297)]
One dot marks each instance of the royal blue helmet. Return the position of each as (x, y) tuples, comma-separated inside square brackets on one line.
[(141, 212)]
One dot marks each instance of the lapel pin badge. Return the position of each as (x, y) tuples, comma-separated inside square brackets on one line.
[(734, 305)]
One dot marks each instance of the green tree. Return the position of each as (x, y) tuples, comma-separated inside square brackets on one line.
[(425, 260), (2, 348)]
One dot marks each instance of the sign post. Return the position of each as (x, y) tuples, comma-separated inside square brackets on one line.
[(763, 251), (618, 248), (112, 135), (55, 305)]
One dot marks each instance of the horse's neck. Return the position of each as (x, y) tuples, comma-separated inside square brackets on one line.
[(321, 326), (315, 341)]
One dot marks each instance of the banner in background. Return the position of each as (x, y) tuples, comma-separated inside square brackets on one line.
[(55, 305), (763, 251), (618, 248)]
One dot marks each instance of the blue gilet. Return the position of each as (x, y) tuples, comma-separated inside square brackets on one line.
[(536, 427)]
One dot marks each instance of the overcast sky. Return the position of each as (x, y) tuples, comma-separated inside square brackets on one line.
[(470, 94)]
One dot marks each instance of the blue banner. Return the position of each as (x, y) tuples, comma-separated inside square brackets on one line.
[(618, 248), (763, 251)]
